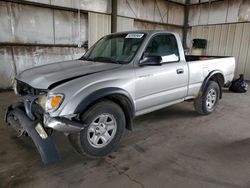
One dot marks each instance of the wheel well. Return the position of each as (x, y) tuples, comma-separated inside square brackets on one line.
[(125, 104), (219, 78)]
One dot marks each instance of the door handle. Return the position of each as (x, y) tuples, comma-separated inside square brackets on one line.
[(179, 71)]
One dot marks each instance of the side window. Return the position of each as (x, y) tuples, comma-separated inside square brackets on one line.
[(164, 46)]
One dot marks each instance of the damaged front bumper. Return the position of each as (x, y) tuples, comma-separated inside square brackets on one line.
[(21, 117), (62, 124)]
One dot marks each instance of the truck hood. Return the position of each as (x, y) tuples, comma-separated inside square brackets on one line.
[(44, 76)]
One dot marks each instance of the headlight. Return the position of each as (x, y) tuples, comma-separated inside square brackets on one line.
[(53, 102)]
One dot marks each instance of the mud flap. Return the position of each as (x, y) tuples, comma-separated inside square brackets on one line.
[(45, 147)]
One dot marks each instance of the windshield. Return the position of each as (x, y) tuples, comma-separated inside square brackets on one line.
[(118, 48)]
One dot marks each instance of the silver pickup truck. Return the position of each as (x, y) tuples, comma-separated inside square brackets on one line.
[(92, 100)]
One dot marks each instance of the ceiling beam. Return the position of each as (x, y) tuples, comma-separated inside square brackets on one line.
[(174, 2), (199, 3), (208, 2)]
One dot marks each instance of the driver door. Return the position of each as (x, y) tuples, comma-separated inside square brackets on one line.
[(158, 86)]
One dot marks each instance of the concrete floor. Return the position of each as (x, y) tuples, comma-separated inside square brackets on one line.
[(173, 147)]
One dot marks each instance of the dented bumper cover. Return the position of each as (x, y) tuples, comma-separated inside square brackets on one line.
[(44, 144), (21, 117)]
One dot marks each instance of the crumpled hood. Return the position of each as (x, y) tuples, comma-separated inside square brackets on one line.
[(43, 76)]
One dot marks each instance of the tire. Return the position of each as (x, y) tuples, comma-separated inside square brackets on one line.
[(105, 120), (207, 103)]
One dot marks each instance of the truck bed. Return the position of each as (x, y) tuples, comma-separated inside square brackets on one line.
[(200, 58), (201, 66)]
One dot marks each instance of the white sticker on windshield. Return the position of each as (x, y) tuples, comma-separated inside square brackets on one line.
[(134, 36)]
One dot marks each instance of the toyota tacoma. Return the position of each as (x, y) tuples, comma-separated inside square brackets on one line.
[(93, 99)]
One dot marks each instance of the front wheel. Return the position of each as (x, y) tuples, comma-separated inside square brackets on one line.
[(208, 102), (105, 126)]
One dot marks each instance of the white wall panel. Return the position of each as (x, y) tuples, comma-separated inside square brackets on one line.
[(223, 39), (23, 24), (67, 29), (233, 10), (237, 43), (194, 15), (216, 39), (218, 12), (161, 11), (228, 40), (28, 24), (102, 6), (18, 58), (31, 26), (227, 11), (211, 32), (7, 69), (63, 3), (244, 48), (5, 23), (176, 14), (247, 65), (139, 25), (98, 25), (204, 14), (156, 11), (145, 9), (244, 11), (29, 57), (124, 24)]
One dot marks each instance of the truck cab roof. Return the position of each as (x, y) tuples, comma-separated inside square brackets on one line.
[(149, 32)]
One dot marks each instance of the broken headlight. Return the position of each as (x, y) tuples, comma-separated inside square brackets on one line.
[(41, 100), (53, 102)]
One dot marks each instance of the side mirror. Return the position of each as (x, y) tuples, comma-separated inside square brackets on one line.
[(151, 61)]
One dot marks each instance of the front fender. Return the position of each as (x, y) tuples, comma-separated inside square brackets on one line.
[(102, 93), (118, 95)]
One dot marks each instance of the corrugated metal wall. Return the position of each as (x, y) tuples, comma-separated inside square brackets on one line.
[(32, 36), (227, 11), (228, 40), (99, 25), (160, 11), (226, 26), (125, 24), (100, 6), (24, 24), (14, 59)]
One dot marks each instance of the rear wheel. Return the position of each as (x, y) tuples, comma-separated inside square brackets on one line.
[(208, 102), (105, 126)]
